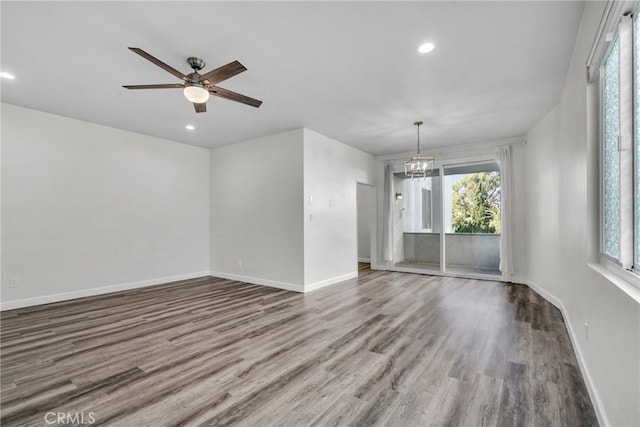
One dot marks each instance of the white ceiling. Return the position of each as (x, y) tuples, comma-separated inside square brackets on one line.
[(348, 70)]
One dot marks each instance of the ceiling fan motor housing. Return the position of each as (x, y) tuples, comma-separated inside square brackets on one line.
[(194, 79), (196, 63)]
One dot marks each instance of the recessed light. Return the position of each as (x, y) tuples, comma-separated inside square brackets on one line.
[(425, 48), (189, 127), (5, 75)]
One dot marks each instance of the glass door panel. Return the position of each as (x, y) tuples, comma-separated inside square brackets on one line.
[(417, 222), (472, 219)]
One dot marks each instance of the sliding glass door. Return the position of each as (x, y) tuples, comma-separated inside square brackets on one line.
[(472, 219), (448, 222)]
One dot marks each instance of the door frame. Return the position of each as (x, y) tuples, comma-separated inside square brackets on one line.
[(441, 165), (373, 220)]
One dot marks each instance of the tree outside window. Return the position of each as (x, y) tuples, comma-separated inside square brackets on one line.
[(476, 203)]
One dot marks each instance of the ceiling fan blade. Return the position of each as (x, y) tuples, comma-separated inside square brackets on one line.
[(167, 86), (200, 108), (159, 63), (233, 96), (223, 73)]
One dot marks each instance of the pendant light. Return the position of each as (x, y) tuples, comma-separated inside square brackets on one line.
[(418, 166)]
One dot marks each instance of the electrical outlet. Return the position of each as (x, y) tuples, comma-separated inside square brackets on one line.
[(13, 282), (310, 200), (586, 331)]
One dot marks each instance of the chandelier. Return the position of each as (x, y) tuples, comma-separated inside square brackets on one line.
[(418, 166)]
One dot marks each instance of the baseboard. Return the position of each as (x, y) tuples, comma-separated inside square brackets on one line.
[(65, 296), (546, 295), (379, 267), (519, 279), (331, 281), (259, 281), (364, 259), (603, 420)]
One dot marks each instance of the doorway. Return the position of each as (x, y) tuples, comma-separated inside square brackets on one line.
[(449, 221), (366, 219)]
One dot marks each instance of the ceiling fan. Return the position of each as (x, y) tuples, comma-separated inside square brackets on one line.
[(197, 87)]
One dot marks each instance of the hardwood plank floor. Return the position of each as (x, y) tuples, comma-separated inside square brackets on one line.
[(383, 349)]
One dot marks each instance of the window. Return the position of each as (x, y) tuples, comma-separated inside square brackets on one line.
[(636, 97), (620, 146), (610, 154)]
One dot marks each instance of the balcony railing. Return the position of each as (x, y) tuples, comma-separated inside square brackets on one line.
[(465, 252)]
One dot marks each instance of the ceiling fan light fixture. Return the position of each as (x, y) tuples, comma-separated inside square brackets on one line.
[(196, 93)]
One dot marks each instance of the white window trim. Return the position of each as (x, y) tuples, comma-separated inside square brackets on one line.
[(623, 268), (634, 138), (613, 11), (625, 142), (623, 279)]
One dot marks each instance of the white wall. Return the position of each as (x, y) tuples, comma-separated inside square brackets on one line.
[(263, 228), (87, 206), (365, 205), (562, 189), (331, 173), (257, 211), (89, 209)]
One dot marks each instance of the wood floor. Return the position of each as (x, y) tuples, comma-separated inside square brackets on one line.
[(387, 348)]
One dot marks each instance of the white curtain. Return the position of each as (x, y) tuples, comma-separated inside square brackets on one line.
[(503, 159), (386, 212)]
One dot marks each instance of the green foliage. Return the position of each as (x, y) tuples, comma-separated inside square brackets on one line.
[(476, 203)]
